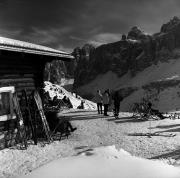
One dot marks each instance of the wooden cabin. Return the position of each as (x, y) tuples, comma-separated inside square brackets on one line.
[(22, 66)]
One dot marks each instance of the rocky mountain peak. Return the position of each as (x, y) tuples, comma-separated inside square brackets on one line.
[(133, 53), (136, 33), (87, 49), (169, 26)]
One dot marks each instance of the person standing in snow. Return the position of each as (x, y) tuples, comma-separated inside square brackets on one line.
[(106, 102), (98, 99), (110, 99), (117, 99)]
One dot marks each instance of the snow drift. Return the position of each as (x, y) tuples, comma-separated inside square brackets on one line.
[(105, 162), (60, 92)]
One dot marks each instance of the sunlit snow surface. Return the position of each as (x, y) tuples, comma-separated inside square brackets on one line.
[(105, 162), (54, 90)]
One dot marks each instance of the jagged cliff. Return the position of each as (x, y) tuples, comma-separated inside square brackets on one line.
[(134, 52), (139, 65)]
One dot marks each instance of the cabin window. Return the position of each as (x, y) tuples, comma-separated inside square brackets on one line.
[(4, 103)]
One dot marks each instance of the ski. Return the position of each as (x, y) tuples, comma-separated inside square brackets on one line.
[(20, 123), (152, 134), (39, 104), (32, 125)]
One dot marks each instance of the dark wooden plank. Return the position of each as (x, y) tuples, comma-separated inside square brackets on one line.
[(7, 125), (14, 76)]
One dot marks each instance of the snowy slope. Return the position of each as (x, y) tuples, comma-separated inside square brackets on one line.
[(161, 71), (104, 81), (168, 99), (56, 90), (105, 162)]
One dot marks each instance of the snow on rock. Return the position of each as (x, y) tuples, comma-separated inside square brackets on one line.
[(60, 92), (105, 162)]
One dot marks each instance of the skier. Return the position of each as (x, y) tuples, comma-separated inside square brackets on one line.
[(117, 99), (106, 102), (98, 100)]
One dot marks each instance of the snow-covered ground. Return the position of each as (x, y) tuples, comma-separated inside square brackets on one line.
[(105, 162), (95, 130), (60, 92), (89, 151)]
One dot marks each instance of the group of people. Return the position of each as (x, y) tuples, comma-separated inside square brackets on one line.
[(105, 99)]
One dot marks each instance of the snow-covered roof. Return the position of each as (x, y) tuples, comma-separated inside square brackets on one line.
[(25, 47)]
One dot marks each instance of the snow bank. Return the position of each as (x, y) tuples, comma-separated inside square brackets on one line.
[(60, 92), (105, 162)]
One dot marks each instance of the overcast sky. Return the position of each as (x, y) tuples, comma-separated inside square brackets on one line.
[(65, 24)]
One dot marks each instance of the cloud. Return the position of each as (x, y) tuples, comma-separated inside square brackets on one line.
[(73, 23), (63, 48), (46, 36), (103, 38), (77, 38), (40, 36), (10, 33), (99, 39)]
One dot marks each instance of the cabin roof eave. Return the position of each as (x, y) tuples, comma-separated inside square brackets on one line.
[(25, 47)]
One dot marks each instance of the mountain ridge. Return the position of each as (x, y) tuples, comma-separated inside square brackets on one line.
[(133, 52), (137, 54)]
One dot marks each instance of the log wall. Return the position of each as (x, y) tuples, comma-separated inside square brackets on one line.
[(23, 72)]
